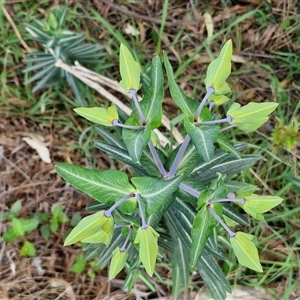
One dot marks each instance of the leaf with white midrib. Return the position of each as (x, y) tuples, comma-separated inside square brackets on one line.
[(104, 186)]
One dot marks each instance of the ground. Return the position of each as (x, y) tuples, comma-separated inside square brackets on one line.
[(265, 35)]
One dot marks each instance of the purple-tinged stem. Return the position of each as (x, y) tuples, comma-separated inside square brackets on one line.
[(225, 120), (209, 91), (123, 248), (179, 156), (157, 160), (227, 200), (228, 127), (221, 222), (189, 190), (108, 212), (139, 200), (117, 123), (137, 105), (211, 105)]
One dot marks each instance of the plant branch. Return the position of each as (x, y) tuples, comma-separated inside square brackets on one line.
[(118, 124), (179, 156), (137, 105), (225, 120), (236, 200), (209, 91), (221, 222), (108, 212), (157, 160), (189, 190), (123, 248), (139, 200)]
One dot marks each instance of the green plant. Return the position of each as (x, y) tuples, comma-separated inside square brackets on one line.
[(19, 227), (52, 222), (176, 197), (59, 43)]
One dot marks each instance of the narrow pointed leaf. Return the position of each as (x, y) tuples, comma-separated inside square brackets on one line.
[(117, 263), (148, 247), (219, 69), (203, 226), (129, 70), (104, 186), (225, 145), (185, 103), (121, 155), (151, 104)]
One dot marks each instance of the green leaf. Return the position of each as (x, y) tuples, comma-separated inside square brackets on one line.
[(151, 104), (28, 249), (233, 214), (257, 205), (99, 115), (90, 226), (185, 103), (203, 138), (203, 226), (129, 69), (79, 265), (146, 238), (213, 276), (225, 145), (155, 191), (104, 186), (219, 70), (16, 207), (246, 251), (229, 166), (219, 99), (188, 161), (121, 155), (45, 231), (117, 263), (146, 160), (109, 137), (136, 140), (251, 116), (18, 227)]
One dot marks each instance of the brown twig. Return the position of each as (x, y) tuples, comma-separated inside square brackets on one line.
[(13, 25)]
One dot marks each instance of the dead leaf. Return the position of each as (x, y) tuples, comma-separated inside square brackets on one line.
[(129, 29), (209, 24), (40, 148)]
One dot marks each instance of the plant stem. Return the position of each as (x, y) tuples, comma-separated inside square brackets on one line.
[(209, 91), (108, 212), (189, 190), (227, 200), (117, 123), (228, 119), (137, 105), (211, 105), (221, 222), (123, 248), (228, 127), (157, 160), (179, 156), (139, 200)]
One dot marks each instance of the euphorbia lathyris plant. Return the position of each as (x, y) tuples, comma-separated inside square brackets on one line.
[(177, 196)]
